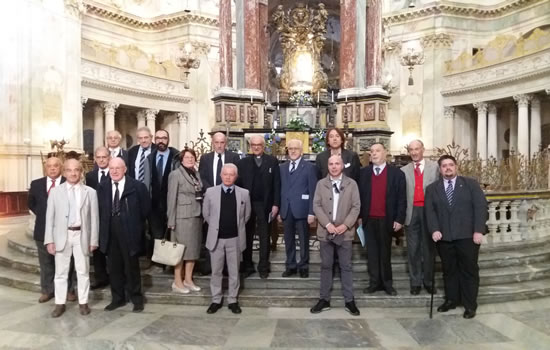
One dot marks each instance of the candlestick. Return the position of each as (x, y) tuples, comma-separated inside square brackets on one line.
[(346, 98), (252, 101), (333, 96), (277, 97), (317, 97)]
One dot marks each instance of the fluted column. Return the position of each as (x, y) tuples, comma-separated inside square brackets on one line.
[(151, 116), (449, 113), (492, 148), (110, 109), (99, 136), (183, 118), (140, 116), (481, 129), (523, 123), (514, 129), (535, 126), (226, 52)]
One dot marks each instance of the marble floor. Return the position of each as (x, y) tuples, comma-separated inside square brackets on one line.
[(25, 324)]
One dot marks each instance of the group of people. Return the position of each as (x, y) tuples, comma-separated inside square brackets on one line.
[(133, 197)]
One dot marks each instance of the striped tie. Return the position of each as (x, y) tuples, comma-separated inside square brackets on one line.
[(141, 175), (449, 192)]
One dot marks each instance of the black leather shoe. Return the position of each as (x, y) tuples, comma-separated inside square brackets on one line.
[(430, 289), (322, 305), (352, 308), (289, 272), (469, 314), (391, 291), (114, 306), (98, 285), (264, 275), (415, 290), (213, 308), (371, 289), (138, 308), (304, 273), (446, 306), (235, 308)]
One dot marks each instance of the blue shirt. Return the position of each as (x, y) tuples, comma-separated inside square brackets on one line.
[(224, 187), (446, 183), (296, 162)]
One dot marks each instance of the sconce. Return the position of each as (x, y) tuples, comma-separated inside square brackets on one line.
[(58, 145), (187, 60), (410, 59)]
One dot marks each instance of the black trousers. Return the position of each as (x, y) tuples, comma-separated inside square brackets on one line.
[(257, 224), (378, 241), (124, 268), (420, 249), (157, 228), (460, 271), (100, 267)]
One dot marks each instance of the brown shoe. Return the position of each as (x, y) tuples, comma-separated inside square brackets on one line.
[(58, 311), (71, 296), (84, 309), (45, 298)]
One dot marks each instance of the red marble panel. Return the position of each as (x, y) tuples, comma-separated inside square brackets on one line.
[(230, 113), (218, 113), (226, 54), (374, 43), (382, 112), (348, 30), (241, 113), (251, 45), (347, 113), (369, 112), (357, 113), (264, 47)]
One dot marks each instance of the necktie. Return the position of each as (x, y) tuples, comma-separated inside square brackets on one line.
[(116, 201), (51, 186), (102, 176), (219, 169), (293, 167), (113, 154), (141, 174), (335, 186), (417, 169), (377, 169), (449, 192), (228, 191), (72, 207), (160, 168)]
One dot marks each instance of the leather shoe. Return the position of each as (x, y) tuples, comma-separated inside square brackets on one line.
[(352, 308), (113, 306), (235, 308), (84, 309), (304, 273), (264, 275), (138, 308), (289, 272), (415, 290), (71, 296), (391, 291), (98, 285), (469, 314), (45, 298), (213, 308), (430, 289), (371, 289), (58, 311), (446, 306)]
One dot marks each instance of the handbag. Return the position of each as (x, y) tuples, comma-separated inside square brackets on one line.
[(166, 252)]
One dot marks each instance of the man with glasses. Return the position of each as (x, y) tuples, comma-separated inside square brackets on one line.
[(113, 143)]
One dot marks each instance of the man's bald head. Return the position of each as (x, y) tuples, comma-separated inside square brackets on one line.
[(73, 171), (117, 169), (219, 142), (53, 167), (416, 150)]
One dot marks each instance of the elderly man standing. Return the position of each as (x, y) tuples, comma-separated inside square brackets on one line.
[(336, 205), (72, 224), (211, 163), (420, 250), (261, 177), (226, 209), (298, 181), (113, 143), (138, 154)]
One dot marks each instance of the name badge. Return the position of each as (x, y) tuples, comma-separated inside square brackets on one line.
[(270, 170), (305, 196), (347, 165)]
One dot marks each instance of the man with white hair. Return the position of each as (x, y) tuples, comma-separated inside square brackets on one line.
[(114, 139)]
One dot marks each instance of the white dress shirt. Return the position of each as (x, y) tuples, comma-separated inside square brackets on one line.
[(338, 182), (114, 152), (381, 167), (215, 167), (99, 170), (78, 195), (136, 164), (120, 187), (296, 163), (421, 165), (49, 182)]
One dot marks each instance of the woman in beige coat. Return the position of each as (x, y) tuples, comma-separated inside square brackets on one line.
[(184, 218)]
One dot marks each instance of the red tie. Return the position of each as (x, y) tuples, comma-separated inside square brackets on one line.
[(52, 186), (417, 169)]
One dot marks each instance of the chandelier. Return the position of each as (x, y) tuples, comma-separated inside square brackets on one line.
[(187, 60), (410, 59)]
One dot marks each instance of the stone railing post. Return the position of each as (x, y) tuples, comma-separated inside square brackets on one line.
[(505, 236), (492, 223), (515, 233)]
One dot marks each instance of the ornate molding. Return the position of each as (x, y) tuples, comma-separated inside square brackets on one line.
[(109, 107), (75, 8), (151, 114), (437, 40), (481, 107), (492, 108), (522, 100), (83, 101), (183, 117), (392, 46), (449, 112), (535, 102)]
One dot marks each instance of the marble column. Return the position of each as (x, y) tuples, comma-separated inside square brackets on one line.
[(151, 116), (251, 45), (513, 129), (374, 43), (263, 44), (226, 47), (183, 119), (348, 30), (492, 148), (449, 113), (523, 123), (110, 109), (99, 128), (481, 129), (140, 116), (535, 127)]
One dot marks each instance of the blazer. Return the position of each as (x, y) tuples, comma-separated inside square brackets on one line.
[(349, 206), (271, 175), (211, 214), (467, 215), (297, 189), (57, 218), (37, 203), (181, 196), (352, 164), (158, 190), (92, 178), (135, 207), (132, 155), (206, 166), (122, 154), (396, 197), (431, 174)]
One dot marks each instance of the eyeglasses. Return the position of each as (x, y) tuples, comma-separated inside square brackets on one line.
[(256, 144), (294, 149)]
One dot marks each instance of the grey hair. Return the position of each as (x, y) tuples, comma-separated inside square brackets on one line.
[(102, 149), (144, 128), (231, 166), (114, 132), (416, 140), (259, 137), (295, 140)]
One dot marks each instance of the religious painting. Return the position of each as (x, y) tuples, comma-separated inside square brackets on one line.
[(369, 112), (241, 113), (218, 113), (382, 112), (230, 113), (252, 112), (357, 113), (347, 113)]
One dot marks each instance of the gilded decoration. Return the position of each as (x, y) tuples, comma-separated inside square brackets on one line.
[(302, 34), (369, 112)]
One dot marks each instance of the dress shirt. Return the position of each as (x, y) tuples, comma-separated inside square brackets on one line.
[(296, 162), (165, 155), (215, 167), (114, 152), (120, 187), (136, 164), (77, 195), (224, 187), (421, 165), (99, 170), (49, 182), (446, 183), (381, 166), (336, 195)]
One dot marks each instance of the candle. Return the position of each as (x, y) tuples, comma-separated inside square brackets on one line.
[(277, 96), (333, 96), (317, 97), (265, 96), (346, 98), (251, 101)]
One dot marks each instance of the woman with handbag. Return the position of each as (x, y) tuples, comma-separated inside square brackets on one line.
[(184, 218)]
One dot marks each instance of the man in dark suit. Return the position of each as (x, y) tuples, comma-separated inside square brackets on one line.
[(259, 174), (456, 213), (113, 143), (383, 207), (37, 202), (124, 204), (298, 182), (210, 165), (98, 175), (138, 153)]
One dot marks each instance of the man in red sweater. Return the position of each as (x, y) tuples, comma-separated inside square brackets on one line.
[(383, 207)]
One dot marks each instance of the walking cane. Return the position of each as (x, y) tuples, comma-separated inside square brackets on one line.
[(433, 285)]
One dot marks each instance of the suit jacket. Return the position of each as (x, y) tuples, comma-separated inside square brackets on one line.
[(467, 215), (37, 203), (92, 178), (132, 155), (135, 207), (431, 174), (206, 166), (211, 214), (298, 189), (349, 206), (159, 189), (352, 164), (122, 154), (271, 176), (57, 218), (181, 197), (396, 197)]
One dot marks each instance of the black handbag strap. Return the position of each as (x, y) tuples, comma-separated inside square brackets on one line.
[(167, 234)]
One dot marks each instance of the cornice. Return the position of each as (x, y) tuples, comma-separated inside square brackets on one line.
[(453, 9)]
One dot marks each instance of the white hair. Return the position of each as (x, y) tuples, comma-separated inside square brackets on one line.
[(231, 166), (257, 137)]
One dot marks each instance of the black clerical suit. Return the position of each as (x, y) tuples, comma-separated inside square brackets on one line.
[(206, 167)]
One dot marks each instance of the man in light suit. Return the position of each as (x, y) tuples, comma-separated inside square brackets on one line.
[(419, 174), (113, 143), (456, 213), (72, 224), (298, 181), (210, 165), (226, 209)]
